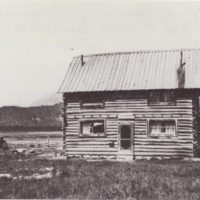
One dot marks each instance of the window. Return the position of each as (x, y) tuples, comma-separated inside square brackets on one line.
[(162, 127), (92, 103), (92, 128), (164, 97)]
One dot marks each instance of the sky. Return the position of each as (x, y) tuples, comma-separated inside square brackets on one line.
[(38, 38)]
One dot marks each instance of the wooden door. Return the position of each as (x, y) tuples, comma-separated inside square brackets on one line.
[(126, 137)]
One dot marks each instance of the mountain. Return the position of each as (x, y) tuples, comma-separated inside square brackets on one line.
[(37, 118)]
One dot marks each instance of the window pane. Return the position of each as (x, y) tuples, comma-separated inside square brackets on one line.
[(155, 127), (98, 127), (170, 127), (125, 144), (125, 132), (159, 127), (86, 128), (92, 127)]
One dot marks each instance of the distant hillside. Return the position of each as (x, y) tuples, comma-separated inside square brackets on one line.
[(50, 99), (40, 118)]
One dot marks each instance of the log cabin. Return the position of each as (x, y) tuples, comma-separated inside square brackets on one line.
[(132, 105)]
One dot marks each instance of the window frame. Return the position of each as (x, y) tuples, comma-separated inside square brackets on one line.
[(158, 92), (161, 135), (92, 135)]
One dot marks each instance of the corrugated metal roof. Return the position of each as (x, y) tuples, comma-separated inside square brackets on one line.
[(141, 70)]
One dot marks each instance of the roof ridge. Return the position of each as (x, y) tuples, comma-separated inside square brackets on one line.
[(137, 51)]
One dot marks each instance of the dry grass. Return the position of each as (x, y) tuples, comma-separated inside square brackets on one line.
[(101, 180)]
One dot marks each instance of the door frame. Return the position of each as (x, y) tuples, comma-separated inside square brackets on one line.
[(130, 124)]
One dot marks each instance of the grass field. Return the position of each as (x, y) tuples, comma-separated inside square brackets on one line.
[(78, 179)]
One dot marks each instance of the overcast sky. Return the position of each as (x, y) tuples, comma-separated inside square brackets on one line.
[(39, 38)]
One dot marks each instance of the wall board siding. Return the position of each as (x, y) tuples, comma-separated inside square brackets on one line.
[(144, 145)]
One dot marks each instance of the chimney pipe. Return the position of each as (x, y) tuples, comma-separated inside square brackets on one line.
[(181, 72), (82, 61)]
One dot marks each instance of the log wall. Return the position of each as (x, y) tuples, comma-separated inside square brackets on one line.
[(144, 145), (196, 125)]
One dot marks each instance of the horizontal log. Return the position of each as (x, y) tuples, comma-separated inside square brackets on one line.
[(119, 101), (112, 134), (75, 103), (73, 122), (161, 138), (68, 128), (140, 129), (115, 111), (112, 122), (72, 134), (185, 135), (189, 131), (184, 129), (89, 142), (112, 137), (184, 154), (158, 140), (183, 101), (132, 101), (144, 103), (86, 150), (97, 146), (135, 103), (138, 157), (182, 140), (138, 154), (95, 139), (159, 151), (72, 131), (91, 153), (181, 124), (112, 127), (137, 113), (137, 108), (163, 147), (77, 138), (91, 146), (137, 125)]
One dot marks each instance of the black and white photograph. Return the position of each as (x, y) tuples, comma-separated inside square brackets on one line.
[(100, 99)]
